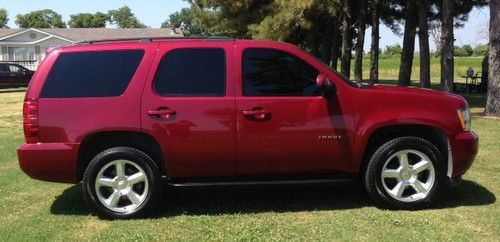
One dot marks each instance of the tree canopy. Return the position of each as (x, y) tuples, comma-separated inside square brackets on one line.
[(4, 18), (124, 18), (88, 20), (186, 21), (45, 18)]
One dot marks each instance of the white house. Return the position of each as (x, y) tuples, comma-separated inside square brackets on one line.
[(28, 46)]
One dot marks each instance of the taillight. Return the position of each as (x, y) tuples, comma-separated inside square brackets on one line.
[(30, 120)]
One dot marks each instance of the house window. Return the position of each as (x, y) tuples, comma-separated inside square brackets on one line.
[(21, 53)]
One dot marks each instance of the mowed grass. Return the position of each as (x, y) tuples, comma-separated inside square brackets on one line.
[(36, 210)]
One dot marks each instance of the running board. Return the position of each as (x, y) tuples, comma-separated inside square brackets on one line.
[(264, 183)]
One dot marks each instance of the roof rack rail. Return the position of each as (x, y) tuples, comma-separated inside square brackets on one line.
[(150, 39)]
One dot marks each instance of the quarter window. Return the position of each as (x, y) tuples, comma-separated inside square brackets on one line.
[(192, 72), (92, 74), (268, 72)]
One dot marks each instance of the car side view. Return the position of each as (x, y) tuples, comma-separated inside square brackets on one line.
[(125, 117), (14, 75)]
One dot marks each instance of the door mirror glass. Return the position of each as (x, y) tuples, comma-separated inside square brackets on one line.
[(325, 85)]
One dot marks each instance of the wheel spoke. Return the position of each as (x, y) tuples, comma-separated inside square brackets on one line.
[(418, 187), (120, 168), (398, 189), (403, 159), (112, 201), (134, 198), (136, 178), (421, 166), (105, 182), (390, 173)]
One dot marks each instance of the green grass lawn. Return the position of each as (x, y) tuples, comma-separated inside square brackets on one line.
[(36, 210)]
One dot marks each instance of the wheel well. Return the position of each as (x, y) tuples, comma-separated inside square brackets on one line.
[(96, 143), (380, 136)]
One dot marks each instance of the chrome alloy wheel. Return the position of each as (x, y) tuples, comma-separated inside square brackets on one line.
[(121, 186), (408, 175)]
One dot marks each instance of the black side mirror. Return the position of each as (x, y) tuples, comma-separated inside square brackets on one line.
[(325, 85)]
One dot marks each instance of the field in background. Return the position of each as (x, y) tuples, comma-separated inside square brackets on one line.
[(36, 210), (389, 68)]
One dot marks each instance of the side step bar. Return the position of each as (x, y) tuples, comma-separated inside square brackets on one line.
[(343, 181)]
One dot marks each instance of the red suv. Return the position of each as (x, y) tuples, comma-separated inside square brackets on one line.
[(122, 116)]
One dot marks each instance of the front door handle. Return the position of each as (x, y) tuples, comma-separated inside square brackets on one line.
[(162, 113), (257, 113)]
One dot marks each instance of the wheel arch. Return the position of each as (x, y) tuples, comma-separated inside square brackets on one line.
[(95, 143)]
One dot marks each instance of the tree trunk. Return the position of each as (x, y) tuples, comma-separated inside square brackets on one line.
[(345, 59), (314, 44), (337, 39), (326, 51), (447, 39), (408, 43), (493, 98), (423, 34), (374, 53), (360, 42)]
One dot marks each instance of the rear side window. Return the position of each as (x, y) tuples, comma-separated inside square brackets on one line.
[(192, 72), (92, 74)]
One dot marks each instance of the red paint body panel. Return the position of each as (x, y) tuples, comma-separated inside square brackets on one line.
[(235, 135)]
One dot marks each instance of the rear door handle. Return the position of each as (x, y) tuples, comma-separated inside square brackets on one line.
[(162, 112), (257, 113)]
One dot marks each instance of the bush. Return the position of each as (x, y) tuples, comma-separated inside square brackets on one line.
[(463, 51), (481, 50), (392, 50)]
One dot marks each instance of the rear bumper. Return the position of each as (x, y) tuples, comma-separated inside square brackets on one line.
[(53, 162), (464, 147)]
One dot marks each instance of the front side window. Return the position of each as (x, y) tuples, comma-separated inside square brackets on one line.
[(268, 72), (192, 72), (14, 69), (92, 74)]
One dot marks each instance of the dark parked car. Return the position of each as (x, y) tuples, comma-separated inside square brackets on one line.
[(121, 116), (14, 75)]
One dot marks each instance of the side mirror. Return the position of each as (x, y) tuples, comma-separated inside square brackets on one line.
[(325, 86)]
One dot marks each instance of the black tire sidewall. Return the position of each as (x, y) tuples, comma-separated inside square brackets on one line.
[(121, 153), (374, 170)]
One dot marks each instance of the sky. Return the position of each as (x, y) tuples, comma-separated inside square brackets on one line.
[(154, 12)]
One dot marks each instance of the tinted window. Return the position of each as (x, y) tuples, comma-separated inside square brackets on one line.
[(92, 74), (192, 72), (269, 72)]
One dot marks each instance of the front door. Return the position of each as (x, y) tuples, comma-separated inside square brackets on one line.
[(284, 125), (188, 106)]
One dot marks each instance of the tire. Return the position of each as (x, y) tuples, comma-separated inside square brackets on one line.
[(133, 194), (395, 184)]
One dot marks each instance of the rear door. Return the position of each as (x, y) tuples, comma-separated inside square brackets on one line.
[(284, 125), (188, 106)]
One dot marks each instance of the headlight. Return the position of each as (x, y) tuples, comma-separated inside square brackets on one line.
[(465, 118)]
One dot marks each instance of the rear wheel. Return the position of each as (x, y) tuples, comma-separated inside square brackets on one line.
[(405, 173), (121, 182)]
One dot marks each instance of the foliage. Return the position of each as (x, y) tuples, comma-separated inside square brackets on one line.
[(88, 20), (45, 18), (463, 51), (4, 18), (392, 50), (481, 50), (186, 21), (124, 18)]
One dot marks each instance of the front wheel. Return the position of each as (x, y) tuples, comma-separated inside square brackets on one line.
[(405, 173), (121, 183)]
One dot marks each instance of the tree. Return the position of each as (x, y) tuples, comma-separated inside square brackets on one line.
[(45, 18), (423, 37), (408, 43), (447, 39), (360, 41), (374, 49), (186, 21), (4, 18), (392, 50), (463, 51), (493, 96), (345, 59), (124, 18), (88, 20)]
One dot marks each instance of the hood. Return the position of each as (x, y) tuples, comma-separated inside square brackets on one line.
[(415, 91)]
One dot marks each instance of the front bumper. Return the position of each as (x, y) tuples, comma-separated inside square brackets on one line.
[(55, 162), (464, 147)]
